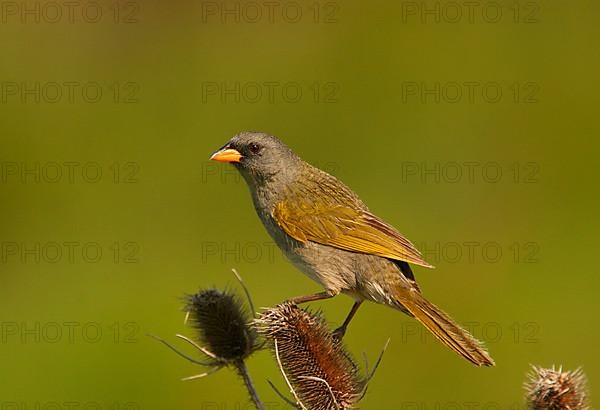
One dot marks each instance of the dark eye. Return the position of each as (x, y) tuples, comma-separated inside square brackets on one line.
[(254, 148)]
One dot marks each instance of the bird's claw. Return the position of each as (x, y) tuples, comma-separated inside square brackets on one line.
[(338, 334)]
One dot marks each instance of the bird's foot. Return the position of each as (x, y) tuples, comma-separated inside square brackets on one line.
[(338, 334)]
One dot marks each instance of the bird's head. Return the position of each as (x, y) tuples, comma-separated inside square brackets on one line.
[(259, 157)]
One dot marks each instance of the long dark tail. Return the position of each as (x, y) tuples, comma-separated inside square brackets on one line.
[(444, 328)]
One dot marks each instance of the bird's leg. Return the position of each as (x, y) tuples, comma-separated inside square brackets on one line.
[(311, 298), (341, 331)]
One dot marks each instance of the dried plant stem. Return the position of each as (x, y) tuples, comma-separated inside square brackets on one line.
[(246, 291), (243, 371)]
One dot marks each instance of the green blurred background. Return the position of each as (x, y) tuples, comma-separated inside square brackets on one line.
[(168, 222)]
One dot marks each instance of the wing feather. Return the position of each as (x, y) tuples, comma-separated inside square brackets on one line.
[(350, 228)]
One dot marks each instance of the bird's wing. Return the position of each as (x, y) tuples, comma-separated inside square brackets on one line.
[(332, 223)]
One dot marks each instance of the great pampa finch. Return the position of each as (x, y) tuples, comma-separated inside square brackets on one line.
[(326, 231)]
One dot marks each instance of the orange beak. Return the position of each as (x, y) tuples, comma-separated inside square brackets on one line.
[(226, 155)]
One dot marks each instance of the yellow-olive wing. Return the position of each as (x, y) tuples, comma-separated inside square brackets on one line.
[(344, 227)]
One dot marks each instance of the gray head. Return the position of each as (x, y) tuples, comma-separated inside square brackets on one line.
[(259, 157)]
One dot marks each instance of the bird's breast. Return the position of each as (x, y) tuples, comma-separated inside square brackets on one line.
[(335, 269)]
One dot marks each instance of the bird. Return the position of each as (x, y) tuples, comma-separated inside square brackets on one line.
[(326, 231)]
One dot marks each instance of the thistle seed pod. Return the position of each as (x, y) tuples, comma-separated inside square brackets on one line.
[(223, 324), (318, 369), (550, 389)]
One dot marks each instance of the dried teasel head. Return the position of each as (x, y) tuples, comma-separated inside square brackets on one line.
[(551, 389), (226, 331), (223, 324), (315, 364)]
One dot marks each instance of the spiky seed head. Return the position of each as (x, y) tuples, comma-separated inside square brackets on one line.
[(551, 389), (320, 370), (223, 323)]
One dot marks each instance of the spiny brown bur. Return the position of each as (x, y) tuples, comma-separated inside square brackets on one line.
[(550, 389), (320, 371)]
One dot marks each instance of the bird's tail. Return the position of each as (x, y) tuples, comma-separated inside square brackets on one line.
[(444, 328)]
